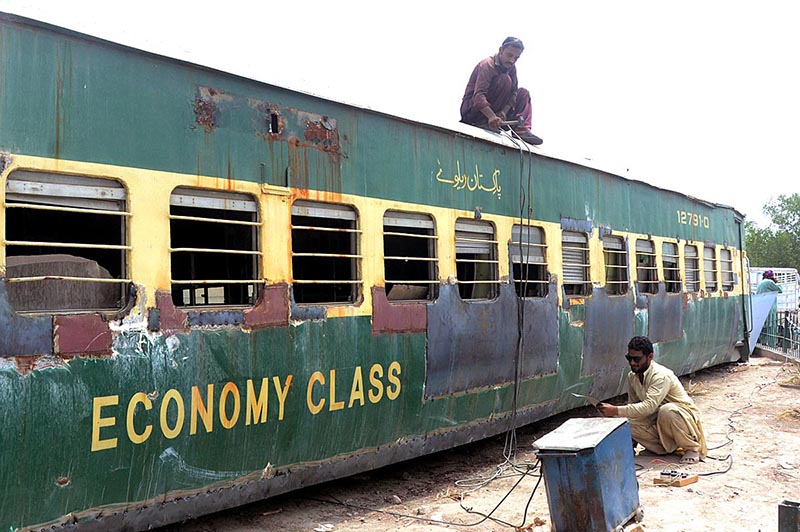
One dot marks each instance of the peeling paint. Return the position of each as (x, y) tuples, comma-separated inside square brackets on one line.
[(204, 114)]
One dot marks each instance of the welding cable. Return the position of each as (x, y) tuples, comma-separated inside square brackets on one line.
[(510, 445), (524, 512), (720, 472), (738, 411), (485, 517)]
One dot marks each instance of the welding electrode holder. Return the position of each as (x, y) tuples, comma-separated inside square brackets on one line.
[(518, 122)]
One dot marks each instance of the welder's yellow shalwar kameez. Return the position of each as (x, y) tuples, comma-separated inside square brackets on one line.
[(662, 416)]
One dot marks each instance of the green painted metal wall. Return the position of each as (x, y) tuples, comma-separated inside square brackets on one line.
[(76, 98)]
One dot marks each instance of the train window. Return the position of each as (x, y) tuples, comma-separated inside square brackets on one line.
[(616, 260), (672, 271), (575, 258), (476, 259), (726, 261), (691, 263), (710, 268), (409, 262), (214, 255), (65, 242), (528, 261), (646, 269), (326, 265)]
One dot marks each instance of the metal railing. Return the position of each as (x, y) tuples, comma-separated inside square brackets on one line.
[(781, 333)]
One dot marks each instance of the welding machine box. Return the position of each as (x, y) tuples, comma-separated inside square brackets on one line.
[(590, 475)]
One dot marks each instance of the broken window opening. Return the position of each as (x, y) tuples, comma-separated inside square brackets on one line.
[(326, 265), (476, 260), (575, 259), (726, 260), (214, 253), (274, 122), (409, 248), (528, 253), (672, 270), (65, 243), (646, 269), (710, 268), (691, 263), (616, 261)]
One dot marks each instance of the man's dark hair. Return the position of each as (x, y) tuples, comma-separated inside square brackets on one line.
[(641, 344), (513, 41)]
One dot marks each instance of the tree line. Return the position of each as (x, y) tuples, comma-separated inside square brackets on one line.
[(778, 244)]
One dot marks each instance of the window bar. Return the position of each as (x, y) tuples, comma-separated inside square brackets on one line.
[(480, 261), (330, 229), (427, 281), (335, 255), (65, 278), (213, 220), (57, 208), (210, 250), (218, 281), (327, 281), (428, 259), (411, 235), (65, 245)]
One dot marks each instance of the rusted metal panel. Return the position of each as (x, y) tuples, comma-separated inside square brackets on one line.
[(322, 131), (272, 308), (171, 318), (474, 344), (81, 334), (396, 317), (23, 335), (608, 327), (204, 112)]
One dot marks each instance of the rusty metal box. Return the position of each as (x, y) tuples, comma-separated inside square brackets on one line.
[(590, 475)]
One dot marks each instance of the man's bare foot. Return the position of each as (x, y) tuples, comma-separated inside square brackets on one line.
[(690, 457)]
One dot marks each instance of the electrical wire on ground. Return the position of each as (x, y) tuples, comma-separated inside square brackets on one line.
[(484, 517), (731, 428)]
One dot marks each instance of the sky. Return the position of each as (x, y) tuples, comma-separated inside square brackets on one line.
[(700, 96)]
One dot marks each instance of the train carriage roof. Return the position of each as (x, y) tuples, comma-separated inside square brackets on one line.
[(164, 51)]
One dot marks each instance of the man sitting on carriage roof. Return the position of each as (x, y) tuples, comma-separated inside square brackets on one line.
[(493, 97)]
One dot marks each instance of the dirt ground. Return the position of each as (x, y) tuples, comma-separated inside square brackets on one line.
[(751, 415)]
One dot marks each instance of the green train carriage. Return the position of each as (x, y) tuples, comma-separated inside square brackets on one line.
[(214, 290)]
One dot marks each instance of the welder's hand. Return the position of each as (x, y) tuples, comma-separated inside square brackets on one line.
[(495, 122), (608, 410)]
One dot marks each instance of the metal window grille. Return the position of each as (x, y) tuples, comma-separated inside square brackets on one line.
[(646, 269), (409, 262), (476, 259), (691, 264), (214, 255), (326, 264), (575, 259), (672, 270), (726, 262), (528, 252), (616, 261), (66, 242), (710, 268)]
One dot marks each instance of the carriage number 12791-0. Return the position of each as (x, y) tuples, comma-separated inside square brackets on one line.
[(692, 218)]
